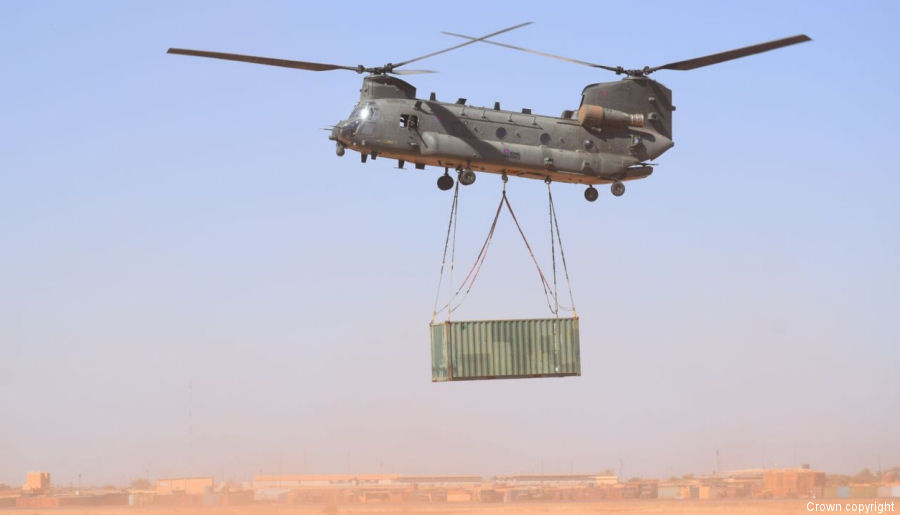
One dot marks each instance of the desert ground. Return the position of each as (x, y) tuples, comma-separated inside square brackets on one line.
[(736, 507)]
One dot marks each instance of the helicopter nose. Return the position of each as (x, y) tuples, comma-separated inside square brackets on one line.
[(345, 130), (341, 132)]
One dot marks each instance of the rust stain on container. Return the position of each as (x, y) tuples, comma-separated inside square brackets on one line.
[(505, 349)]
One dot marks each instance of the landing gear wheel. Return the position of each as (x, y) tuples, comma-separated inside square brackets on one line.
[(445, 182), (617, 189), (591, 194), (466, 177)]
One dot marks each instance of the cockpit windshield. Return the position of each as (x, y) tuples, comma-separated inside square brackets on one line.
[(367, 112)]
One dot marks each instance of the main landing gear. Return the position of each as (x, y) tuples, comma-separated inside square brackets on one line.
[(445, 182), (466, 177), (617, 189)]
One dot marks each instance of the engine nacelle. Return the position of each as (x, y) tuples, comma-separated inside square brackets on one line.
[(598, 117)]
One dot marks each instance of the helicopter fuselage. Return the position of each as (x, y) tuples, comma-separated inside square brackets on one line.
[(389, 121)]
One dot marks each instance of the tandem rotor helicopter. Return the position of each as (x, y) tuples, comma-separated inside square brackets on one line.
[(617, 129)]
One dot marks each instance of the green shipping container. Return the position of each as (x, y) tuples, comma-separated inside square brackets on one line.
[(505, 349)]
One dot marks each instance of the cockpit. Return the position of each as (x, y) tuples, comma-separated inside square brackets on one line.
[(360, 122), (367, 112)]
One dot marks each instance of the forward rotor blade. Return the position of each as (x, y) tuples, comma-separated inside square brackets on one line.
[(698, 62), (536, 52), (285, 63), (412, 72), (462, 44)]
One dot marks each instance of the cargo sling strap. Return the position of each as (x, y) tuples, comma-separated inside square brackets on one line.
[(550, 292)]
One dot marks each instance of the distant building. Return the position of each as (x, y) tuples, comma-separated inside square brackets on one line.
[(794, 482), (184, 485), (320, 480), (36, 483), (277, 487), (587, 480), (439, 481)]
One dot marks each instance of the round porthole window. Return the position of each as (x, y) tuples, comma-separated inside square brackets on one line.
[(501, 132), (545, 138)]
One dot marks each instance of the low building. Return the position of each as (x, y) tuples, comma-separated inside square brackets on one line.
[(184, 485), (321, 487), (291, 481), (438, 481), (588, 480), (794, 482)]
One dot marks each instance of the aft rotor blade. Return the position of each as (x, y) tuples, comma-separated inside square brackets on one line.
[(698, 62), (411, 72), (474, 40), (536, 52), (302, 65)]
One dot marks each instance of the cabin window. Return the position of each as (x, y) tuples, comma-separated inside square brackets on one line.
[(501, 132), (409, 121), (545, 138)]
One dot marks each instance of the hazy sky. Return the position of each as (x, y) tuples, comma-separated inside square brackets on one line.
[(191, 282)]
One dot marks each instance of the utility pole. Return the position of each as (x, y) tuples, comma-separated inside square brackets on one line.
[(190, 427)]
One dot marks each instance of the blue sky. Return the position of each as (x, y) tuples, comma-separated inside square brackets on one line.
[(168, 221)]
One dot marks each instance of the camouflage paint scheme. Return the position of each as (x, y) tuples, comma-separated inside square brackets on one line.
[(517, 143)]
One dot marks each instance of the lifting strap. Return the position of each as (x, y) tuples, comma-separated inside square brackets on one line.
[(554, 224), (468, 282)]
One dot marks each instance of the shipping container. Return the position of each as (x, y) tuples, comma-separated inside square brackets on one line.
[(710, 492), (863, 491), (505, 349), (649, 490), (669, 492)]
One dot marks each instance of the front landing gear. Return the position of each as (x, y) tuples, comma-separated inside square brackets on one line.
[(445, 182), (591, 194), (617, 189)]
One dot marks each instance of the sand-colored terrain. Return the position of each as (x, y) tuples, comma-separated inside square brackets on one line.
[(735, 507)]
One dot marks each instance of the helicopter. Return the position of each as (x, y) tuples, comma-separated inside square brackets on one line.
[(617, 130)]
